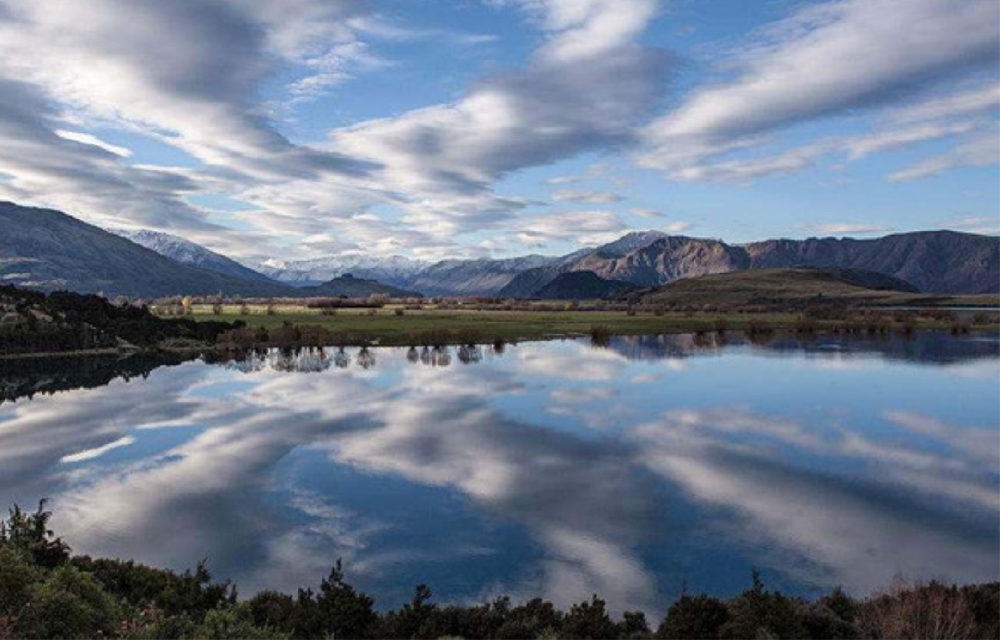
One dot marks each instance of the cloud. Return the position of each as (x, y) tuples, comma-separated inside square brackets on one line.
[(848, 228), (97, 452), (574, 362), (582, 396), (827, 529), (586, 29), (972, 102), (86, 138), (824, 60), (863, 146), (447, 157), (565, 180), (581, 227), (988, 226), (981, 150), (184, 74), (978, 443), (678, 226), (585, 196), (212, 80), (647, 213), (747, 170), (219, 448)]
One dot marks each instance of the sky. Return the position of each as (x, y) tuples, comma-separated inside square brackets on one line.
[(470, 128)]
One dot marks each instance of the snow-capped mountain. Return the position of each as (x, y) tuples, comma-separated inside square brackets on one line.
[(187, 252), (394, 270), (630, 242), (483, 276)]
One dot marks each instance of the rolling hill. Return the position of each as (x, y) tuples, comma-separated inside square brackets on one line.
[(348, 285), (786, 288), (582, 285)]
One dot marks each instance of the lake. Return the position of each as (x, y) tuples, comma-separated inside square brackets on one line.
[(557, 469)]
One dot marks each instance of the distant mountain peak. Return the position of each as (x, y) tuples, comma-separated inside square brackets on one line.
[(190, 253), (630, 242), (47, 249)]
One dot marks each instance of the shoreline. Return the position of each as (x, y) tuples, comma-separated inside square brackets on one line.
[(323, 332)]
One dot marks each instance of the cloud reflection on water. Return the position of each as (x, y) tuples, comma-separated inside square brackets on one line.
[(592, 502)]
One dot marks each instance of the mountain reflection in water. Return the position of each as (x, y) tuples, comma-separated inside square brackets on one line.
[(552, 469)]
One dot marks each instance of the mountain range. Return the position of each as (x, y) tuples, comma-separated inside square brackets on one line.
[(189, 253), (48, 250)]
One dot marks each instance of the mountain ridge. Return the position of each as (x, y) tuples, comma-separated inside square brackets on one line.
[(190, 253), (48, 249), (938, 261)]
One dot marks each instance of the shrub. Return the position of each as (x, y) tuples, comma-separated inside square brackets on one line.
[(922, 611), (69, 604), (234, 623), (600, 335), (17, 574), (589, 620), (759, 613), (694, 617)]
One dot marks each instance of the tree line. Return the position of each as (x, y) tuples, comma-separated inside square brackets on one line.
[(33, 322), (46, 592)]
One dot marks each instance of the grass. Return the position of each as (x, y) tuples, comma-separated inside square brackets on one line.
[(388, 328)]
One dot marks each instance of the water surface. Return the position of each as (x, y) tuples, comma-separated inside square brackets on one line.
[(553, 469)]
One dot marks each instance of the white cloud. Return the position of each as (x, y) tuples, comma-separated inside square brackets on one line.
[(863, 146), (824, 60), (647, 213), (678, 226), (746, 170), (981, 150), (446, 157), (86, 138), (581, 227), (988, 226), (585, 196), (183, 74), (849, 228), (97, 452), (977, 101)]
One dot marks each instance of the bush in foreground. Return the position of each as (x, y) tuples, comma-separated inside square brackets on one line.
[(45, 592)]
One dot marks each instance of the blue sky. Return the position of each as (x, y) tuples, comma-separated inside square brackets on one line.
[(302, 128)]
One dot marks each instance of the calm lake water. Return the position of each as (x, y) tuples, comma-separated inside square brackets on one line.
[(553, 469)]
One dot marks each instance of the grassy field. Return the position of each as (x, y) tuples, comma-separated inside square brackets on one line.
[(385, 326)]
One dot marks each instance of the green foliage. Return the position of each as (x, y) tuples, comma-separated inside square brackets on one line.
[(18, 573), (234, 623), (69, 604), (66, 321), (30, 533), (589, 620), (694, 617), (338, 610), (172, 593), (46, 594), (759, 613), (534, 619)]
